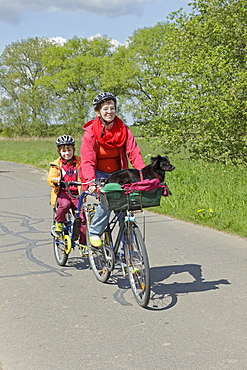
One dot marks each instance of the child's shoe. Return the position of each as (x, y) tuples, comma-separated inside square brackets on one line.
[(57, 229), (83, 250)]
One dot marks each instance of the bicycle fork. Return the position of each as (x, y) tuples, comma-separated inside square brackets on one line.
[(129, 221)]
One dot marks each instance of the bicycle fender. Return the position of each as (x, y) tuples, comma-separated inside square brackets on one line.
[(68, 243)]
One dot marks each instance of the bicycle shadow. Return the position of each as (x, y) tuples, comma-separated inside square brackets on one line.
[(79, 263), (165, 296)]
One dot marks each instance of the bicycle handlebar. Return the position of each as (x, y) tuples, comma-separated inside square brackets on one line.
[(99, 183), (71, 183)]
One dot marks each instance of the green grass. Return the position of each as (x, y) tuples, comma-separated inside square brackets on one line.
[(212, 194), (209, 194), (37, 152)]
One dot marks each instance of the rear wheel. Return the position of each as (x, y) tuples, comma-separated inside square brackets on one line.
[(138, 265), (61, 246), (101, 259)]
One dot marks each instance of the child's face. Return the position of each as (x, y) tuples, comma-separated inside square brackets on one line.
[(67, 152)]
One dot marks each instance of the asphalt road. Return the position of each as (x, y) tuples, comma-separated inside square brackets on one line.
[(62, 318)]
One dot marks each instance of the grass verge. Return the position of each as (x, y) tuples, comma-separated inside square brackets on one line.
[(209, 194)]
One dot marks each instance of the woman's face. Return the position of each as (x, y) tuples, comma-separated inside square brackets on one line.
[(107, 111)]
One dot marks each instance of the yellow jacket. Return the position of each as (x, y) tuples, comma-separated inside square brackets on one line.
[(55, 171)]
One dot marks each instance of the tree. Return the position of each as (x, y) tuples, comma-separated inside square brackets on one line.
[(73, 74), (23, 103), (211, 91), (144, 73), (183, 80), (188, 80)]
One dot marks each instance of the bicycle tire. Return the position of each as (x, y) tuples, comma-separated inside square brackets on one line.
[(60, 246), (138, 265), (102, 260), (111, 255)]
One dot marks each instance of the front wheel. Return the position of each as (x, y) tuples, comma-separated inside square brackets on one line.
[(138, 265)]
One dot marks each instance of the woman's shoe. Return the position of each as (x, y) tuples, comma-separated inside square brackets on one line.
[(95, 241)]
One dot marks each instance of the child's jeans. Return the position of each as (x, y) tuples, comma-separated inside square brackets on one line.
[(64, 203)]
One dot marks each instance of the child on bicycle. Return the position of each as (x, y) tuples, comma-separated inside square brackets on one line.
[(65, 168)]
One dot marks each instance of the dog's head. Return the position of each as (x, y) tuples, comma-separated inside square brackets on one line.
[(162, 163)]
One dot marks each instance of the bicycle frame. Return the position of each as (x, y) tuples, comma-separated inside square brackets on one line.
[(133, 258)]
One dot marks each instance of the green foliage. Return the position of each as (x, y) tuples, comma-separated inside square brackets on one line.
[(183, 81), (190, 81), (209, 194), (72, 75), (210, 93), (23, 104)]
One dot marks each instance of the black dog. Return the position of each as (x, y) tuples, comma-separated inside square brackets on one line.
[(159, 165)]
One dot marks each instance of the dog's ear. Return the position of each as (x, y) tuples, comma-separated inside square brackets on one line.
[(155, 160)]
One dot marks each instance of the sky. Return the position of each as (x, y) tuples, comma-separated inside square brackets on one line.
[(116, 19)]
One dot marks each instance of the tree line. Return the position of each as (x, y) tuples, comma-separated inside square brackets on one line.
[(183, 81)]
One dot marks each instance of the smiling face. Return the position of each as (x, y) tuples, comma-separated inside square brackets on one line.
[(66, 152), (107, 111)]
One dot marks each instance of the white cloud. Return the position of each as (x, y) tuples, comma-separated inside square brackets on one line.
[(115, 43), (61, 40), (58, 40), (11, 11)]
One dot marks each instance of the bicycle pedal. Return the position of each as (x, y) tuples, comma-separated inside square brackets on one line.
[(136, 271), (55, 233), (83, 250)]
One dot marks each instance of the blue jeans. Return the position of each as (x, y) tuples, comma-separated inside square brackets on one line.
[(101, 217)]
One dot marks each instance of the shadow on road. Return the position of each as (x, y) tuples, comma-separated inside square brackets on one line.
[(78, 262), (165, 296)]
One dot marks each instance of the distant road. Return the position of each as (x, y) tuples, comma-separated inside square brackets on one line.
[(61, 318)]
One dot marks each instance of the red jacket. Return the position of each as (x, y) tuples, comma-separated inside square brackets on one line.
[(130, 150)]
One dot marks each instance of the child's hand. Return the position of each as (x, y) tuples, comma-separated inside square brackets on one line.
[(56, 180)]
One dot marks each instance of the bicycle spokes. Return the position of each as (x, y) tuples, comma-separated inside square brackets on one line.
[(61, 248), (101, 261), (138, 267)]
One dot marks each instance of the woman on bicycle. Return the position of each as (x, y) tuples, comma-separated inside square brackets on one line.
[(107, 144), (65, 168)]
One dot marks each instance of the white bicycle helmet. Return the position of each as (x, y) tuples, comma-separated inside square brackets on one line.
[(100, 98), (65, 140)]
